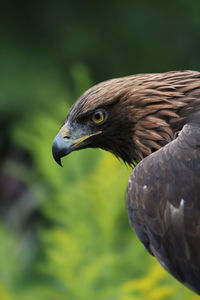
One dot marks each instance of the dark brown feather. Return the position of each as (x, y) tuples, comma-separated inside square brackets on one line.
[(163, 200)]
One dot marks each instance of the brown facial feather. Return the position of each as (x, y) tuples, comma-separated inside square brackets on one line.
[(151, 108)]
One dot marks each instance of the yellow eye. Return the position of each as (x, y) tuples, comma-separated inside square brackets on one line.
[(98, 116)]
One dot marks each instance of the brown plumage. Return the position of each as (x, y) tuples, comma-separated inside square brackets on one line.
[(134, 117), (163, 199)]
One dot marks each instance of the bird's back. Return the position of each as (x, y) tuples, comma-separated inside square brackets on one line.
[(163, 200)]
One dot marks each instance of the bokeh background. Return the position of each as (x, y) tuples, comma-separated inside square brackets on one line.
[(64, 232)]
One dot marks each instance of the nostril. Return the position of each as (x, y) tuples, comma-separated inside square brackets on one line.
[(65, 133)]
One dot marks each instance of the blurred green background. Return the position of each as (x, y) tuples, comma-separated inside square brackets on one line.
[(64, 232)]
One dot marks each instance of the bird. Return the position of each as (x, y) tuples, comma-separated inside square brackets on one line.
[(152, 123)]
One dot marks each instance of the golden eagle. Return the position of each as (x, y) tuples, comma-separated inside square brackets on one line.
[(154, 119)]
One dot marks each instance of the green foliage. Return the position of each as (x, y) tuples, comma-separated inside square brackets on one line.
[(82, 246), (88, 251)]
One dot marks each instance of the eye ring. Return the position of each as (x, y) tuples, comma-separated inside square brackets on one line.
[(98, 116)]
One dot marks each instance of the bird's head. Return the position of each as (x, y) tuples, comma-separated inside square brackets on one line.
[(100, 119), (128, 116)]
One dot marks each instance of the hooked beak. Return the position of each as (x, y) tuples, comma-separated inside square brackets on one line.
[(64, 143)]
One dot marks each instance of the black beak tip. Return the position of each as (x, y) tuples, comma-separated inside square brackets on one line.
[(59, 162)]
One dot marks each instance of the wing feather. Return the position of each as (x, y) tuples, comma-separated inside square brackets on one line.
[(163, 199)]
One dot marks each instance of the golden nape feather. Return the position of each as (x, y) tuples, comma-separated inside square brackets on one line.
[(153, 116)]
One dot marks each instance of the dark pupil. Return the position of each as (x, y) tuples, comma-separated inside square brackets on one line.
[(97, 116)]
